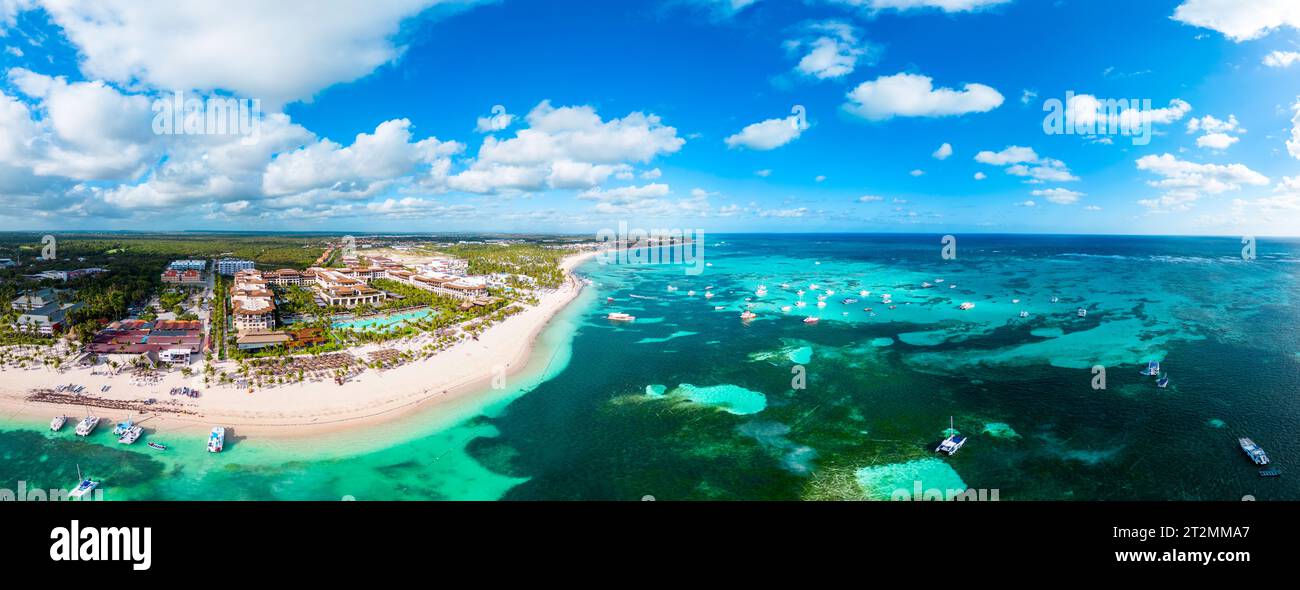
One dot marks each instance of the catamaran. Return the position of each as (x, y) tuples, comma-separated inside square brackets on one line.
[(131, 435), (1163, 381), (1253, 451), (748, 315), (619, 316), (57, 423), (87, 425), (953, 443), (84, 487), (217, 440), (1153, 368), (123, 427)]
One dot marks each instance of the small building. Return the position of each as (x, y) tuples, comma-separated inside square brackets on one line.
[(42, 312), (183, 265), (186, 278), (175, 356), (259, 340)]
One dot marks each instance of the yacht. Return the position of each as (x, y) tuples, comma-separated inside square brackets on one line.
[(821, 303), (672, 288), (84, 487), (785, 308), (1253, 451), (748, 315), (813, 287), (1024, 314), (708, 294), (1055, 299), (690, 293), (1163, 381), (87, 425), (811, 320), (801, 303), (131, 435), (925, 285), (217, 440), (953, 443), (1083, 313), (864, 293), (619, 316), (965, 306), (761, 291), (830, 292), (938, 280), (57, 423)]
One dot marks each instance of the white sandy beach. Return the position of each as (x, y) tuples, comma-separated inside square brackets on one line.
[(309, 408)]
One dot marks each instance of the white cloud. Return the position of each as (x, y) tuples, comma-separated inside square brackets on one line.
[(1237, 21), (764, 173), (914, 95), (1029, 203), (279, 51), (917, 172), (830, 50), (1060, 196), (905, 5), (1293, 144), (769, 134), (14, 51), (870, 199), (783, 213), (652, 174), (943, 152), (1281, 59), (980, 176), (1186, 182), (1216, 141), (650, 200), (1092, 208), (566, 147), (1023, 161), (820, 178)]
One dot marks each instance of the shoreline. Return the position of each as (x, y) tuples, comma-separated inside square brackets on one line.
[(467, 371)]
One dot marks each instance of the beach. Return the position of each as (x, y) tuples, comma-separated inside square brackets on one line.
[(460, 372)]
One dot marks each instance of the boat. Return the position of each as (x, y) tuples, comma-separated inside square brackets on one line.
[(811, 320), (158, 446), (925, 285), (1083, 313), (1055, 299), (57, 423), (84, 487), (813, 287), (217, 440), (966, 305), (672, 288), (830, 292), (609, 300), (785, 285), (123, 427), (821, 303), (800, 303), (131, 435), (690, 293), (708, 294), (1153, 368), (1253, 451), (1015, 301), (800, 292), (848, 301), (953, 443), (619, 316), (748, 315), (864, 293), (1024, 314), (938, 280), (1271, 471), (1163, 381), (785, 308), (762, 290), (87, 425)]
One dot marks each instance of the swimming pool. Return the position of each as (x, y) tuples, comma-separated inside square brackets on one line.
[(381, 323)]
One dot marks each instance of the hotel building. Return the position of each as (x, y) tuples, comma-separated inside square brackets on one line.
[(230, 266), (252, 303), (345, 288)]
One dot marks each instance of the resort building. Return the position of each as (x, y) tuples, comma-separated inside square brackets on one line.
[(42, 312), (285, 277), (190, 278), (341, 289), (184, 265), (7, 263), (230, 266), (65, 275), (445, 265), (170, 342), (252, 303), (464, 288)]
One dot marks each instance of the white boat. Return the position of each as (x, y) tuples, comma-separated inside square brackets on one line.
[(1055, 299), (748, 315), (57, 423), (864, 293), (799, 292), (123, 427), (785, 285), (938, 280), (761, 290), (953, 443), (1024, 314), (719, 307), (925, 285), (672, 288), (1153, 368), (619, 316), (966, 305), (1163, 381), (131, 435), (1015, 301), (830, 291), (785, 308), (87, 425), (811, 320), (217, 440), (1083, 313), (84, 487), (801, 303), (708, 294), (690, 293), (821, 303), (813, 287)]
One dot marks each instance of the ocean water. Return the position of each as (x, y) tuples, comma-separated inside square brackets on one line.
[(691, 402)]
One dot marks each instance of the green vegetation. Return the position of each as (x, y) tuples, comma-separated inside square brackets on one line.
[(540, 263)]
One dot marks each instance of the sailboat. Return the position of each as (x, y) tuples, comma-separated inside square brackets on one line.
[(84, 487), (1153, 368), (953, 443)]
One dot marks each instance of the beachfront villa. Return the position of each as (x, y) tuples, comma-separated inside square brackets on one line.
[(252, 303), (171, 342)]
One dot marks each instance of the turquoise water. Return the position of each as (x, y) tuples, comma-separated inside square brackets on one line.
[(381, 323), (697, 404)]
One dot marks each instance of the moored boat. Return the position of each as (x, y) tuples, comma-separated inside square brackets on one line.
[(217, 440), (57, 423), (811, 320), (1253, 451), (158, 446), (131, 435), (87, 425), (619, 316), (84, 487), (953, 442)]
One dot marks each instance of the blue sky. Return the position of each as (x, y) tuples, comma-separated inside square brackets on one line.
[(661, 113)]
